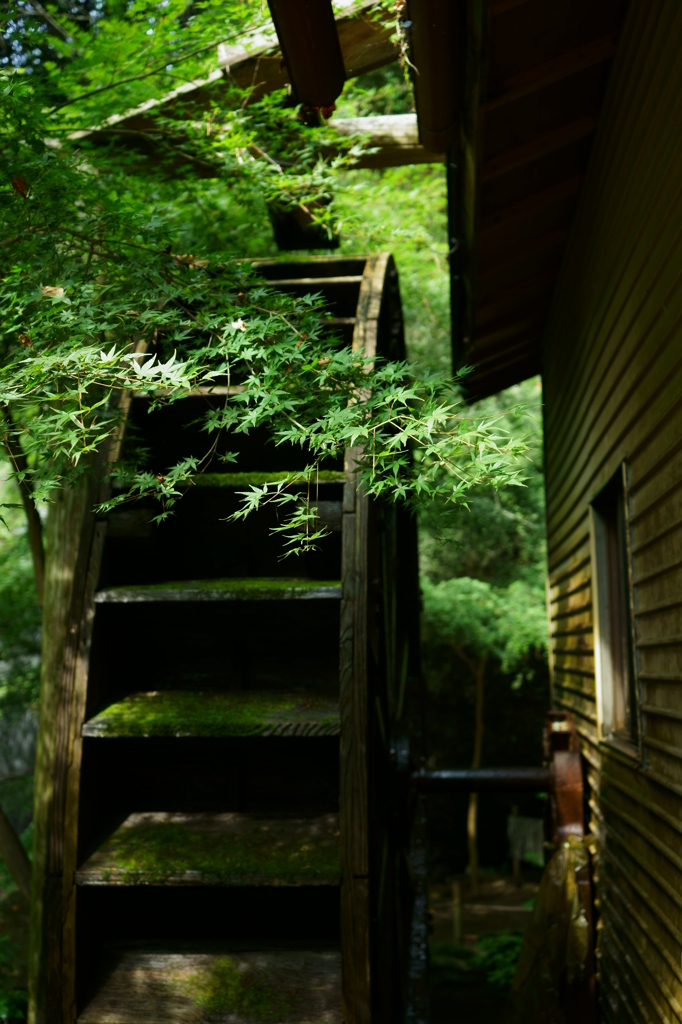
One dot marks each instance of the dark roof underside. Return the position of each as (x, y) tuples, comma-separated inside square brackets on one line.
[(545, 64)]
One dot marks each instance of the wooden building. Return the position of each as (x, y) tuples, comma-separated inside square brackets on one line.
[(571, 266), (612, 371), (566, 206), (561, 125)]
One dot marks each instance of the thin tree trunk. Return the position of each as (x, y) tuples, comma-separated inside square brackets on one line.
[(472, 812), (35, 527), (472, 841), (15, 855)]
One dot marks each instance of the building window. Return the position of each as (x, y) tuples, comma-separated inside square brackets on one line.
[(614, 662)]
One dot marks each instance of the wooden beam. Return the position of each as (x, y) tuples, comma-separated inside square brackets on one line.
[(505, 331), (527, 207), (354, 693), (434, 36), (310, 47), (501, 356), (542, 75), (527, 342), (537, 148), (526, 363), (394, 136), (474, 94), (367, 40), (521, 253), (510, 356), (508, 298), (384, 129), (501, 369), (502, 6)]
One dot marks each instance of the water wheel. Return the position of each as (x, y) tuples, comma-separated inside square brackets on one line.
[(222, 832)]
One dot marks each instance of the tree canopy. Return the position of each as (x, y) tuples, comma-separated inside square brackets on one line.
[(101, 296), (504, 623), (484, 568)]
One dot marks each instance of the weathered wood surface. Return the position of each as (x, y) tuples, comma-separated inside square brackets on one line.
[(236, 988), (371, 693), (74, 549), (396, 136), (64, 578), (216, 849), (475, 49), (612, 387), (237, 713), (353, 677), (353, 783), (354, 795), (251, 588)]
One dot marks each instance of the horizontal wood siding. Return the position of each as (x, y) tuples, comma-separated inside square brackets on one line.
[(613, 391)]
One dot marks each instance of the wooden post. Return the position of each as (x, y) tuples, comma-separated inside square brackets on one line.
[(64, 534), (74, 549), (355, 912)]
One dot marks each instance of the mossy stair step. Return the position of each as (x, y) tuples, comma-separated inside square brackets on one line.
[(293, 478), (217, 849), (289, 987), (312, 282), (252, 588), (181, 713)]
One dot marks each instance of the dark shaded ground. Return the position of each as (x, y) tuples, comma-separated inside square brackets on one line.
[(13, 953), (471, 972)]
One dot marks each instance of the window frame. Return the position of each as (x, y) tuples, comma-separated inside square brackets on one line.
[(603, 571)]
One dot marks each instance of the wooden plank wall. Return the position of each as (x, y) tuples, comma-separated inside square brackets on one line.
[(613, 392)]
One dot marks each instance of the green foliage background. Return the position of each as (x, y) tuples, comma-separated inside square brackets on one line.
[(19, 684)]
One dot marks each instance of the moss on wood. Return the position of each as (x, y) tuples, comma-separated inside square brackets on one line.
[(237, 713), (235, 480), (217, 849), (225, 987), (250, 588)]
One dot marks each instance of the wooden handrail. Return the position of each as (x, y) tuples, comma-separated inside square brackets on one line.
[(467, 780)]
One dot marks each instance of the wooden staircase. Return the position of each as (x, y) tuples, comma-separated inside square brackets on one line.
[(233, 834)]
